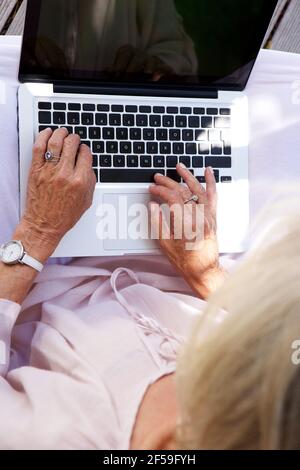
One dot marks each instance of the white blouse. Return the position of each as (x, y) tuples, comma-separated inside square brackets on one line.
[(81, 352)]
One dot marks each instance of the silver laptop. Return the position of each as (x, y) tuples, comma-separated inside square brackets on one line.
[(146, 84)]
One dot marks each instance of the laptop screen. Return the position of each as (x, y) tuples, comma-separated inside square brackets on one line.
[(150, 43)]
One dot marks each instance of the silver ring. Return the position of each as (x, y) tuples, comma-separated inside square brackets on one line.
[(50, 157), (194, 198)]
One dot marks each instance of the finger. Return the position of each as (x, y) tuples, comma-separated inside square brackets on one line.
[(211, 189), (69, 152), (167, 195), (193, 184), (56, 141), (40, 147), (162, 180), (84, 164)]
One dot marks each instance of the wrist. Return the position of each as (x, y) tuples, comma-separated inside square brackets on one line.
[(35, 242)]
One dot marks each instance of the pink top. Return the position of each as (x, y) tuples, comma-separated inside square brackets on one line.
[(90, 338)]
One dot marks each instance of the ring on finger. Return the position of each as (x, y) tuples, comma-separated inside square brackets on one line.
[(193, 198), (51, 157)]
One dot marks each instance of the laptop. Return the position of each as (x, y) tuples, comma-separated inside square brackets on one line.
[(146, 84)]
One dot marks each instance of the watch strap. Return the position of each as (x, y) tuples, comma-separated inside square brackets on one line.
[(33, 263)]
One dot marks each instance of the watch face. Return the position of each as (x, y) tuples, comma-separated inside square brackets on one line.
[(12, 252)]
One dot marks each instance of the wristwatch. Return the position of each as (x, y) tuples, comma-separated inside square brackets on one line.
[(13, 252)]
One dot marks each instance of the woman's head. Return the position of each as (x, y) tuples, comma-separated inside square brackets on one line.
[(238, 386)]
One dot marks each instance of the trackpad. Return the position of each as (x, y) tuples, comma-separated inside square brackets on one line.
[(126, 224)]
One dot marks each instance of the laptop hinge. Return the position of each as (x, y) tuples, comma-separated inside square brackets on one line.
[(131, 91)]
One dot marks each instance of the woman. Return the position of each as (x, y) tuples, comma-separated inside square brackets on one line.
[(93, 353)]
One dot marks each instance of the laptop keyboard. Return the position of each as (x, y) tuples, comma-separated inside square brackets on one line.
[(131, 143)]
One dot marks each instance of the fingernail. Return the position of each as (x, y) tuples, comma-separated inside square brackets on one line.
[(182, 165), (48, 129)]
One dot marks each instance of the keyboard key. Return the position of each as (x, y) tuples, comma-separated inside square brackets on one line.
[(119, 161), (96, 174), (69, 129), (191, 149), (216, 148), (185, 160), (60, 118), (194, 122), (44, 105), (105, 160), (227, 148), (128, 120), (203, 148), (148, 134), (172, 110), (101, 119), (135, 134), (60, 106), (88, 107), (98, 146), (131, 109), (201, 179), (188, 136), (138, 148), (74, 106), (132, 161), (185, 110), (146, 161), (129, 175), (199, 111), (165, 148), (108, 133), (95, 161), (111, 147), (217, 175), (212, 111), (115, 120), (206, 122), (125, 147), (141, 120), (155, 121), (42, 128), (73, 118), (168, 121), (178, 148), (197, 162), (44, 117), (94, 133), (158, 161), (86, 142), (81, 131), (152, 148), (103, 108), (225, 111), (87, 119), (158, 109), (161, 134), (226, 179), (201, 135), (145, 109), (222, 123), (122, 133), (214, 135), (181, 121), (174, 175), (218, 162), (172, 162), (117, 108), (174, 135)]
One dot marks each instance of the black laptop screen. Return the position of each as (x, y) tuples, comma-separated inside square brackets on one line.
[(154, 43)]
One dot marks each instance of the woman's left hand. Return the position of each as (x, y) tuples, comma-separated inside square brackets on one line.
[(196, 259)]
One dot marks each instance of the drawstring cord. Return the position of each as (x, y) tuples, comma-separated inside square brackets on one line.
[(148, 325)]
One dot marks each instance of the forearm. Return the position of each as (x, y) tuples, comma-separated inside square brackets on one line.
[(16, 280)]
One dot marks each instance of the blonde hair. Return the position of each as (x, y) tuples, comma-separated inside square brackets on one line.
[(238, 387)]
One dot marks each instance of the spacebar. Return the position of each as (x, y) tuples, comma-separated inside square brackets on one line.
[(128, 176)]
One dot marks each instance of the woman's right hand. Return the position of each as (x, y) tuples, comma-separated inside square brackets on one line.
[(58, 194)]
